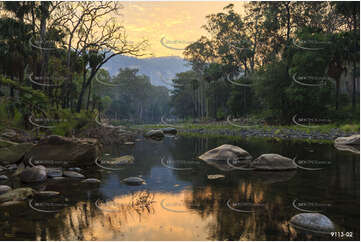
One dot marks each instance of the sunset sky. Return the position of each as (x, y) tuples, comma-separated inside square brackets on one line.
[(177, 23)]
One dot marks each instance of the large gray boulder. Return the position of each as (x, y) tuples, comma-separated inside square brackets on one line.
[(226, 152), (19, 194), (312, 221), (154, 134), (273, 162), (33, 174), (65, 152), (14, 153), (351, 140)]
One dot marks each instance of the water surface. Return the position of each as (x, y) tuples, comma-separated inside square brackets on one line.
[(182, 204)]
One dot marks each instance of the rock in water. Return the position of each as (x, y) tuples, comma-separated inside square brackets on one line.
[(215, 177), (226, 152), (15, 153), (273, 162), (33, 174), (65, 152), (134, 181), (313, 221), (75, 169), (155, 134), (169, 130), (91, 181), (351, 140), (54, 172), (351, 148), (73, 174), (19, 194), (3, 177), (4, 189)]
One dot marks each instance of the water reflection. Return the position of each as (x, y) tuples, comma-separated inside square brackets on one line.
[(185, 205)]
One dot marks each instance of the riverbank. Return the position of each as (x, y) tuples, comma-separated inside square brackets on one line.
[(321, 134)]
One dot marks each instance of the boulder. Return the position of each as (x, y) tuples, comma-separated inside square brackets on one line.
[(62, 151), (154, 134), (169, 130), (19, 194), (315, 222), (4, 189), (273, 162), (14, 153), (33, 174), (226, 153), (134, 181), (73, 174), (351, 140)]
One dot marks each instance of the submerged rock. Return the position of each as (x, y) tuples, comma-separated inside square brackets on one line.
[(65, 152), (133, 181), (13, 154), (312, 221), (154, 134), (73, 174), (273, 162), (75, 169), (33, 174), (351, 140), (91, 181), (19, 194), (4, 189)]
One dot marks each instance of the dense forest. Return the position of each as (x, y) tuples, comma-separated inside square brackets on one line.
[(274, 61)]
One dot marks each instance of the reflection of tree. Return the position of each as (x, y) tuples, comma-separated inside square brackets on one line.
[(86, 221), (267, 222)]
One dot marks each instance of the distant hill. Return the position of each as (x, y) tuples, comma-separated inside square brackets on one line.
[(161, 70)]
